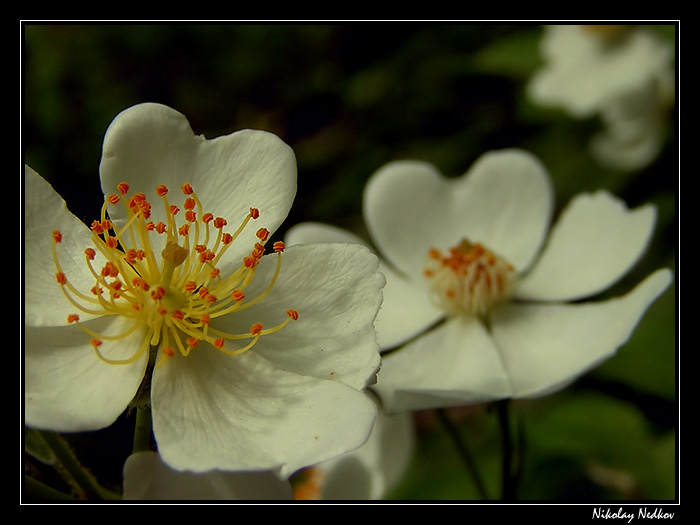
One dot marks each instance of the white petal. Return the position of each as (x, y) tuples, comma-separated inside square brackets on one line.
[(146, 477), (547, 346), (67, 387), (337, 291), (504, 202), (213, 411), (44, 212), (596, 241), (405, 310), (456, 363), (373, 469), (150, 144)]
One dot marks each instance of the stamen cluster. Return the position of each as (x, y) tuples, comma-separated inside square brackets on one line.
[(173, 296), (468, 279)]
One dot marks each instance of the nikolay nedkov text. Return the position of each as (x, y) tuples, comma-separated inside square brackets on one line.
[(657, 513)]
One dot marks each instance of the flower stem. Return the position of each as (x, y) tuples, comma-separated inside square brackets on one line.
[(510, 470), (142, 430), (464, 452), (83, 479)]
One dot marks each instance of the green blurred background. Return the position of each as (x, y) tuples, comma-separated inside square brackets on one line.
[(349, 98)]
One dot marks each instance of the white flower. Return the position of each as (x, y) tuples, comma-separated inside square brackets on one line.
[(622, 74), (367, 473), (146, 477), (469, 252), (254, 361)]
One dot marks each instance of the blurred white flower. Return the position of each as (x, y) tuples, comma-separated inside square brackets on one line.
[(367, 473), (623, 74), (482, 306), (249, 360), (147, 477)]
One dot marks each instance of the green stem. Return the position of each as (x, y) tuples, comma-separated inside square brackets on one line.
[(142, 430), (37, 490), (83, 479), (464, 452), (508, 479)]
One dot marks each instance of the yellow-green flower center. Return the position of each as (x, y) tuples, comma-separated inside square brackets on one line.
[(173, 295), (468, 279)]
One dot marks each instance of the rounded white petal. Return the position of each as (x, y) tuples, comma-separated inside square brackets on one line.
[(337, 291), (150, 144), (44, 212), (456, 363), (504, 202), (369, 472), (213, 411), (404, 312), (544, 347), (596, 241), (67, 388), (146, 477)]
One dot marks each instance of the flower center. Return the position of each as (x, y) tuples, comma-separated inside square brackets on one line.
[(468, 279), (173, 295)]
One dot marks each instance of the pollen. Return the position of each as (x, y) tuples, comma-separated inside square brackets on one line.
[(163, 276), (469, 278)]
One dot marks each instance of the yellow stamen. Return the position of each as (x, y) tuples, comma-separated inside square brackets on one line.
[(172, 295)]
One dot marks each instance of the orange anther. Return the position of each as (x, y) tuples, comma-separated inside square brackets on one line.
[(169, 351), (256, 328), (278, 246), (203, 292), (227, 238), (190, 204), (258, 250), (96, 290), (161, 227), (187, 189), (210, 298), (262, 234), (140, 255), (57, 236), (250, 262), (190, 286), (192, 342), (174, 209), (150, 226), (254, 213), (96, 343), (123, 188), (237, 295), (96, 227), (207, 218), (293, 314), (219, 343), (214, 273), (162, 190), (190, 216), (178, 315), (111, 242), (161, 311), (205, 319), (73, 318), (184, 230), (130, 256), (158, 293), (113, 199), (219, 222), (110, 270)]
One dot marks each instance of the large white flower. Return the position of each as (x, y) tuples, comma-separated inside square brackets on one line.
[(257, 361), (622, 74), (471, 252)]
